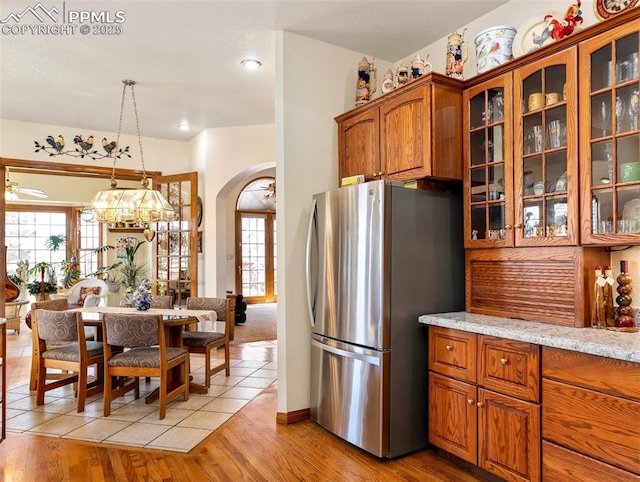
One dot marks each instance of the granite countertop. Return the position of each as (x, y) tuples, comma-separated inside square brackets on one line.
[(612, 344)]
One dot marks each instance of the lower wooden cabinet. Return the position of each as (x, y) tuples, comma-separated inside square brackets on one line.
[(591, 408), (498, 431)]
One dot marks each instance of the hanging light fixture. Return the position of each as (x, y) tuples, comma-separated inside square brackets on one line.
[(131, 206)]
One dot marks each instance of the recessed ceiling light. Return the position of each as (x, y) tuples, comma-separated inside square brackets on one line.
[(184, 126), (251, 64)]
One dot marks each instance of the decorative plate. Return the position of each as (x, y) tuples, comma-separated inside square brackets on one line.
[(610, 8), (631, 210), (533, 34)]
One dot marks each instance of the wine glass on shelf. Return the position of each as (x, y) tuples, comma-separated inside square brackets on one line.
[(605, 118), (632, 111), (619, 114)]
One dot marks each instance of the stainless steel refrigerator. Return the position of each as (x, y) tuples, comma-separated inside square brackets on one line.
[(378, 256)]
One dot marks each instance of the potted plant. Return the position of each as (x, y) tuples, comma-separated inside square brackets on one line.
[(109, 274), (35, 287)]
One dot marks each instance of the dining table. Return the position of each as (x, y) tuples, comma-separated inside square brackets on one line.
[(175, 322)]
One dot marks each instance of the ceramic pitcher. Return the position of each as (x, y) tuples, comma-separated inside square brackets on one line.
[(457, 54)]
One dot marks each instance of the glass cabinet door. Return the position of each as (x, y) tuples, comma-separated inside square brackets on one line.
[(545, 165), (488, 172), (610, 149)]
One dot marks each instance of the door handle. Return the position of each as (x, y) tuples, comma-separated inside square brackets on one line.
[(312, 221)]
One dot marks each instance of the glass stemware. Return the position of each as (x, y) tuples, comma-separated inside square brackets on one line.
[(605, 118), (632, 111)]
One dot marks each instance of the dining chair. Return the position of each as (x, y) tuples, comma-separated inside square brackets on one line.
[(62, 345), (202, 342), (162, 301), (51, 305), (146, 354)]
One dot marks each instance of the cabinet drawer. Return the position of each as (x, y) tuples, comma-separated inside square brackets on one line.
[(596, 424), (453, 353), (510, 367), (617, 377), (566, 465)]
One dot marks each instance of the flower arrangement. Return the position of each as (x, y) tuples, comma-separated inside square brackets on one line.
[(141, 297)]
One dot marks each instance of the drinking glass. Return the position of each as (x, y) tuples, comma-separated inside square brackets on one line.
[(605, 118), (632, 111)]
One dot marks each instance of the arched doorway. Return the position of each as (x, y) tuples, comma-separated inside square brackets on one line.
[(256, 241)]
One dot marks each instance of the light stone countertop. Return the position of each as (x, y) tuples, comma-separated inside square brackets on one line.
[(612, 344)]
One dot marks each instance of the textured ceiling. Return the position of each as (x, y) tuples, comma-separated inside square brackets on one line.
[(185, 56)]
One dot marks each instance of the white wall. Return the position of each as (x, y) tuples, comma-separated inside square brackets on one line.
[(17, 142), (315, 82), (225, 158)]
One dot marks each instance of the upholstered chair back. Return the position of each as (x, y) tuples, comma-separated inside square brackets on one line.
[(57, 326), (131, 330), (164, 301), (219, 305), (51, 305)]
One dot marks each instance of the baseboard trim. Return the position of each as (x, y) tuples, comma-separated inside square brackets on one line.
[(293, 417)]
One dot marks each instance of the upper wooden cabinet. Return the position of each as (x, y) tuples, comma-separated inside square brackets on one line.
[(488, 163), (609, 136), (545, 151), (521, 167), (411, 133)]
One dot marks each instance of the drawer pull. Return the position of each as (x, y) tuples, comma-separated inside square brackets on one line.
[(504, 361), (448, 347), (470, 401), (479, 404)]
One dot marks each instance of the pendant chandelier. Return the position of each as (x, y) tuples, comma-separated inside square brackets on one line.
[(126, 205)]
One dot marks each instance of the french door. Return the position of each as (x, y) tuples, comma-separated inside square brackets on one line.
[(256, 256)]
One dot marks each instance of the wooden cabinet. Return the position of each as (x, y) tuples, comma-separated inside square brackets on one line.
[(610, 136), (488, 164), (358, 145), (484, 401), (545, 151), (521, 171), (600, 433), (411, 133)]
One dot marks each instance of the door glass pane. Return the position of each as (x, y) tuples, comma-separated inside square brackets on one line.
[(253, 266), (496, 222), (533, 223), (478, 222)]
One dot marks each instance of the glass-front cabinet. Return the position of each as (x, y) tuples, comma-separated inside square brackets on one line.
[(610, 139), (545, 152), (488, 172)]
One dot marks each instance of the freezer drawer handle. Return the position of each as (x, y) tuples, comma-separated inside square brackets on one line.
[(372, 360)]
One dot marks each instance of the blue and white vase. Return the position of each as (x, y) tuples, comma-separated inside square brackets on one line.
[(142, 305)]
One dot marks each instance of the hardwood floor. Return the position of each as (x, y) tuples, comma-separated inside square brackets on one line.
[(249, 447)]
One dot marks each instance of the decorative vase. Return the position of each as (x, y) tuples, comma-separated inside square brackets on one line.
[(142, 305), (494, 47)]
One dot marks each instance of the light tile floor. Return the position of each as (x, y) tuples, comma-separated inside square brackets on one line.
[(133, 422)]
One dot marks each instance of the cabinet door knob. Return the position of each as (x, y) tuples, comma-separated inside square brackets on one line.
[(517, 226), (507, 226), (479, 404), (470, 401), (448, 347), (504, 361)]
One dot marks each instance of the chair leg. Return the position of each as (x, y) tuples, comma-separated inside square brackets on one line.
[(106, 411), (207, 367), (185, 377), (42, 375), (227, 356), (162, 399), (82, 388)]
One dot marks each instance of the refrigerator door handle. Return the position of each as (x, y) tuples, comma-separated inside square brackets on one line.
[(372, 360), (312, 222)]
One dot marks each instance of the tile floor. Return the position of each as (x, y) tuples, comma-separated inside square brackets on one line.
[(134, 423)]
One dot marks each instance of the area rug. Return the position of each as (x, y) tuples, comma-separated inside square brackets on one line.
[(133, 422), (261, 324)]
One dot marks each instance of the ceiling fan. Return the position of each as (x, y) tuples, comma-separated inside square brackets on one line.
[(11, 190)]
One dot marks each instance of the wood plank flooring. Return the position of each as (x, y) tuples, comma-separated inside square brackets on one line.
[(249, 447)]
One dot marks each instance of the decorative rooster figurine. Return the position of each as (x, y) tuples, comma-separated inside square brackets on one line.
[(108, 146), (84, 145), (572, 19), (58, 145)]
